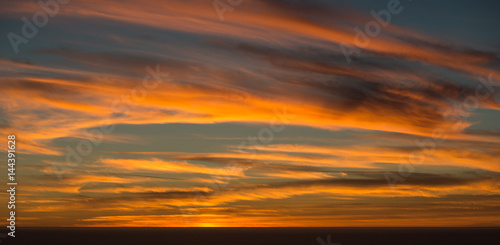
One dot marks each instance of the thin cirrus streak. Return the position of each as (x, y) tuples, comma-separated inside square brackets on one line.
[(187, 144)]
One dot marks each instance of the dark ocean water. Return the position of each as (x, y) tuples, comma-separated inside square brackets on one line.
[(255, 236)]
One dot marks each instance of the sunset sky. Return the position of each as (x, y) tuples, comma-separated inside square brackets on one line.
[(266, 113)]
